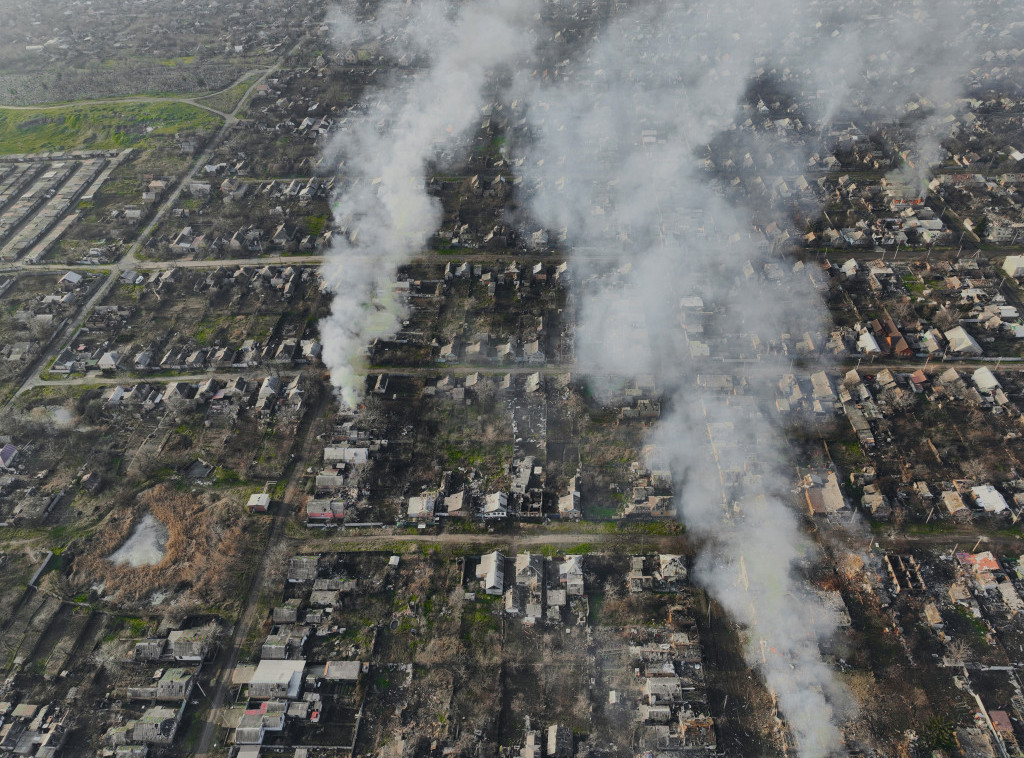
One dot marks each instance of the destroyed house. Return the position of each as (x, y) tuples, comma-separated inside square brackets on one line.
[(671, 569), (522, 476), (978, 562), (286, 643), (559, 741), (288, 612), (530, 569), (302, 568), (570, 575), (149, 650), (662, 690), (175, 684), (157, 725), (905, 573), (190, 644)]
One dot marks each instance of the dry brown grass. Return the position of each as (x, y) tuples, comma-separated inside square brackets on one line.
[(205, 553)]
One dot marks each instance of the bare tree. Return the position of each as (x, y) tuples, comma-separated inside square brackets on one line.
[(902, 311), (958, 652), (975, 469), (946, 319)]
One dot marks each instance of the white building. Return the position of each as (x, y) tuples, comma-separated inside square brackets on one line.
[(1014, 265), (867, 344), (495, 506), (422, 506), (985, 380), (989, 499), (962, 342), (275, 679), (491, 573), (357, 456)]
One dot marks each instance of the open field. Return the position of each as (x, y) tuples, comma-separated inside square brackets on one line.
[(227, 99), (97, 126)]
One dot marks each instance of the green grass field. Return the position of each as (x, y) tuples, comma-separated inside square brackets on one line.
[(96, 126)]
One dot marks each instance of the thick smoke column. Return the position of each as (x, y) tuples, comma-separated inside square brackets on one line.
[(643, 159), (631, 158), (382, 205)]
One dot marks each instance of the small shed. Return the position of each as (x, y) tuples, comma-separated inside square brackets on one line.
[(259, 502)]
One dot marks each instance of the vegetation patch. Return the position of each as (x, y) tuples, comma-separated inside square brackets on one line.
[(100, 127), (206, 549)]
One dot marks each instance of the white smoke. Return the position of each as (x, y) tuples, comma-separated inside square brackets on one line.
[(382, 205), (614, 162), (640, 154)]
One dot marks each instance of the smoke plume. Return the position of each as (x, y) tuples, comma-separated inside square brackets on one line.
[(656, 158), (666, 152), (381, 206)]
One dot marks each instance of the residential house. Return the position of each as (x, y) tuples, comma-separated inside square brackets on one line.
[(954, 505), (532, 352), (825, 498), (158, 725), (267, 395), (277, 679), (70, 280), (1013, 265), (491, 573), (458, 504), (962, 343), (569, 504), (7, 455), (188, 240), (355, 456), (495, 506), (191, 644), (421, 507), (143, 360), (178, 394), (989, 499), (324, 512), (570, 575), (109, 361)]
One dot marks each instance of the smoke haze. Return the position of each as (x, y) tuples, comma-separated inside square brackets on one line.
[(653, 161), (382, 205), (651, 153)]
